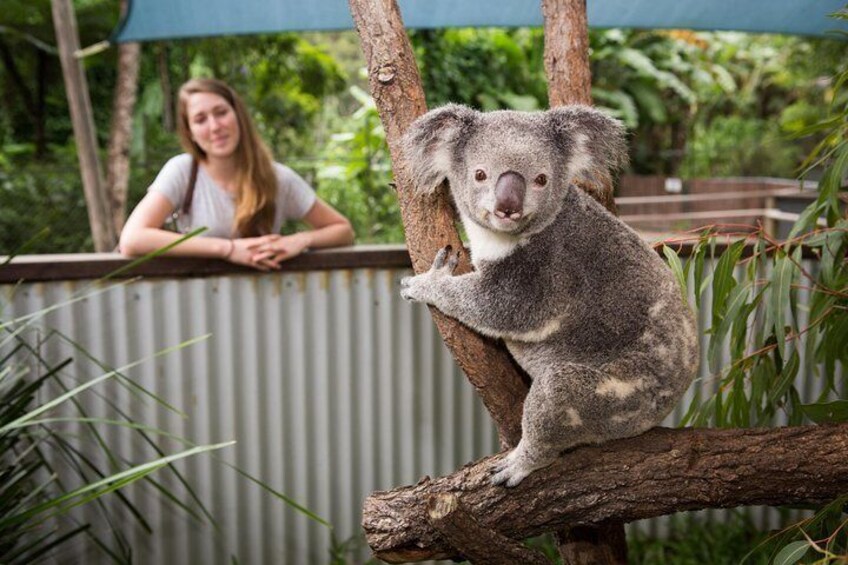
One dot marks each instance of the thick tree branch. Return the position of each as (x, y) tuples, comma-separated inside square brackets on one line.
[(661, 472), (430, 222)]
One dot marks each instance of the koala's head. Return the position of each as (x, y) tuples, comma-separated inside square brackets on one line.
[(509, 171)]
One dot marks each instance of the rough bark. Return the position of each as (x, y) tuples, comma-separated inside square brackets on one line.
[(82, 118), (477, 543), (567, 52), (120, 132), (430, 222), (660, 472), (567, 68)]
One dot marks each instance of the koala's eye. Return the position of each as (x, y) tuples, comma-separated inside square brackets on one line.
[(541, 180), (480, 175)]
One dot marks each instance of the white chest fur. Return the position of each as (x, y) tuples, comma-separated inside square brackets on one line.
[(487, 245)]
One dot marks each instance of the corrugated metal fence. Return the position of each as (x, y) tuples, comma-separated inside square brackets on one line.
[(330, 383)]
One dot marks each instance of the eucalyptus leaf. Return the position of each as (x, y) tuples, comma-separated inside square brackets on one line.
[(827, 412), (782, 276), (723, 280), (792, 553), (734, 308), (677, 269)]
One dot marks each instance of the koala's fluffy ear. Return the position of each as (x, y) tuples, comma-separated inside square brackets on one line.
[(594, 142), (430, 143)]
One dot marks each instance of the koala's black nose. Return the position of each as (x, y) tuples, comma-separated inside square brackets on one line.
[(509, 195)]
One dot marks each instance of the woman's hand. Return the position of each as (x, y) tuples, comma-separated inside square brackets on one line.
[(242, 252), (274, 249)]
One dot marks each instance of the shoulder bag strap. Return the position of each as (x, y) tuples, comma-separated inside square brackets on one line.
[(191, 182)]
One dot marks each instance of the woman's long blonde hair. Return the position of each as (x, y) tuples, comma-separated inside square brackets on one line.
[(256, 180)]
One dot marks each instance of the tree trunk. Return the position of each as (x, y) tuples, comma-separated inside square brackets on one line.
[(429, 222), (567, 52), (120, 134), (82, 118), (567, 68), (570, 82), (660, 472)]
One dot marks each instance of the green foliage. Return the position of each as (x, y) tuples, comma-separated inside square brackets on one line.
[(487, 69), (359, 185), (738, 146), (757, 317), (755, 307), (690, 541), (820, 539), (53, 189)]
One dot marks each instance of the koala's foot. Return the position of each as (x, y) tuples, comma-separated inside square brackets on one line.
[(513, 468), (420, 287)]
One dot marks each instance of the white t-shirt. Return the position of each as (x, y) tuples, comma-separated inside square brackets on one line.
[(214, 208)]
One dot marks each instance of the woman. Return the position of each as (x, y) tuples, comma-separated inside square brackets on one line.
[(228, 183)]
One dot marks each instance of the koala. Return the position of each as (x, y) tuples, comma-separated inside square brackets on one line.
[(585, 307)]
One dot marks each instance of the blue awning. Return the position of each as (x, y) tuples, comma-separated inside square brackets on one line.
[(149, 20)]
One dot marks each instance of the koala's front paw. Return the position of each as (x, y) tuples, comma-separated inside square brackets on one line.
[(508, 471), (513, 468), (413, 288), (420, 287)]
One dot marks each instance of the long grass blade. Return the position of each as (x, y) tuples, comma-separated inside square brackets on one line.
[(75, 391), (75, 497)]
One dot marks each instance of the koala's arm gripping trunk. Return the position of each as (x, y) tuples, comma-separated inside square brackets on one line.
[(513, 315)]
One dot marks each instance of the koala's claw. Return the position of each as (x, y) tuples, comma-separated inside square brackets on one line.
[(419, 288), (441, 256), (514, 468), (509, 475), (446, 259), (509, 471)]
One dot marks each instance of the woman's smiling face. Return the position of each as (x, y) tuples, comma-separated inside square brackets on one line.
[(213, 124)]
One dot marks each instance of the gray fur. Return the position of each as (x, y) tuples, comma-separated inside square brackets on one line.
[(587, 309)]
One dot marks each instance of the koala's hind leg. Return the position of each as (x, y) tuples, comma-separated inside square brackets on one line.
[(558, 414)]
